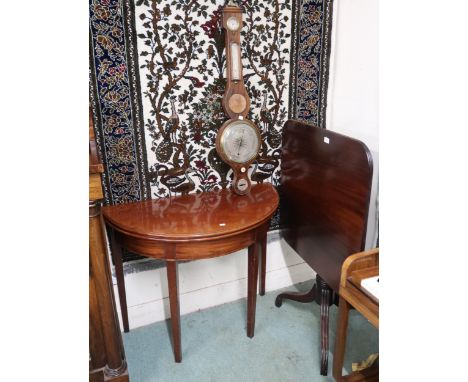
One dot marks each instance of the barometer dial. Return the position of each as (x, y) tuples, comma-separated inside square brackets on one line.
[(240, 142)]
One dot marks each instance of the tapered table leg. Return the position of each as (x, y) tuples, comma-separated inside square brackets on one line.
[(263, 242), (340, 342), (116, 252), (175, 311), (252, 288)]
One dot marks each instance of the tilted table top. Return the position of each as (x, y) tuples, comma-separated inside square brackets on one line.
[(199, 216)]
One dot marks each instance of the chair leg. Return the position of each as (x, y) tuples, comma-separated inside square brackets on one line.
[(116, 252), (340, 342)]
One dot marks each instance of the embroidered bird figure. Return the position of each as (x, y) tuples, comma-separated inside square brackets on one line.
[(173, 124), (266, 165), (266, 60), (195, 81), (258, 176), (185, 188), (265, 116), (170, 178), (169, 64)]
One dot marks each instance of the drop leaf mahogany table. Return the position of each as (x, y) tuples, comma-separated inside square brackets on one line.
[(326, 181), (192, 227)]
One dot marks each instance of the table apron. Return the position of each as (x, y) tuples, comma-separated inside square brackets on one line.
[(189, 250)]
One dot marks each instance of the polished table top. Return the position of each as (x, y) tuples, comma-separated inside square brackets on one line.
[(196, 216), (326, 183)]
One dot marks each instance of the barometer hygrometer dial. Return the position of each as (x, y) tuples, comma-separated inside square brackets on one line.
[(238, 143), (233, 24)]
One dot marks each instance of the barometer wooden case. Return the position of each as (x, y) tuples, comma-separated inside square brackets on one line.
[(238, 141)]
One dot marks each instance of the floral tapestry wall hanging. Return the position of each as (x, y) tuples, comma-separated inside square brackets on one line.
[(157, 80)]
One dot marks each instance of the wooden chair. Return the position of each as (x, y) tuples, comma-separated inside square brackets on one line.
[(326, 182), (356, 268)]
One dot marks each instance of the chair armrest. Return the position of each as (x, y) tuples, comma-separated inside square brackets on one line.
[(360, 260)]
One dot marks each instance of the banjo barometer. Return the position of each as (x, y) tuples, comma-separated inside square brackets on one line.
[(238, 140)]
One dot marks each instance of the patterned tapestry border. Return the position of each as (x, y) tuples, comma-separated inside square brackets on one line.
[(135, 91), (295, 29), (310, 58), (95, 108), (115, 103), (325, 60)]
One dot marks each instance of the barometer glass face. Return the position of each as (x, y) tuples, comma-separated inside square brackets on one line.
[(232, 24), (240, 142)]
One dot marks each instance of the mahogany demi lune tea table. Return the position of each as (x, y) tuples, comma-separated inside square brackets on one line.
[(192, 227)]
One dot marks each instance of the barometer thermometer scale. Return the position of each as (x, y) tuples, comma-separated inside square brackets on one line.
[(238, 141)]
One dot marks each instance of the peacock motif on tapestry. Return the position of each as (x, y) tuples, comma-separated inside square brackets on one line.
[(265, 166)]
